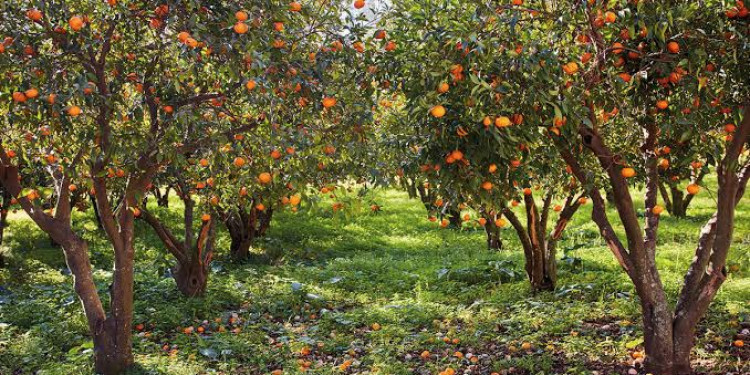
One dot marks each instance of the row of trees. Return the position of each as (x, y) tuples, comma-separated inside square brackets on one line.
[(245, 108), (576, 101), (239, 107)]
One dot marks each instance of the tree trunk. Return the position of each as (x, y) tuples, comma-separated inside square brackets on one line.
[(494, 241), (242, 231), (4, 205), (425, 196), (193, 259), (454, 217), (240, 248), (162, 200), (111, 334), (542, 275), (96, 212), (112, 347), (191, 278), (264, 222)]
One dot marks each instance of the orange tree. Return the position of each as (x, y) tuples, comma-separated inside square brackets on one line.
[(310, 100), (471, 96), (656, 72), (619, 79), (95, 92)]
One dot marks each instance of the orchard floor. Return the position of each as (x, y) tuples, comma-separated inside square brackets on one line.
[(319, 283)]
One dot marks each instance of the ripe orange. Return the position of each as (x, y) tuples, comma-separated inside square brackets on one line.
[(76, 23), (204, 163), (527, 191), (72, 187), (557, 208), (492, 168), (239, 162), (276, 154), (19, 97), (214, 200), (627, 172), (329, 102), (437, 111), (74, 111), (390, 46), (502, 121), (264, 178), (673, 47), (586, 57), (457, 155), (380, 34), (624, 76), (34, 14), (168, 109), (571, 68), (250, 84), (487, 185), (375, 327), (295, 6), (482, 221), (240, 27), (443, 87), (693, 189), (739, 343), (31, 93), (500, 223), (662, 104), (205, 217), (260, 207), (617, 48), (294, 200), (359, 4), (610, 17), (657, 210), (526, 346), (487, 121), (243, 191), (278, 26), (241, 16)]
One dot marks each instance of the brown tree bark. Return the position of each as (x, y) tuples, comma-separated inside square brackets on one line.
[(668, 334), (494, 241), (162, 199), (193, 256), (4, 206), (111, 331), (540, 247), (244, 226), (427, 196)]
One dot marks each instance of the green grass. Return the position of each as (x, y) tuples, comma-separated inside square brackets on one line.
[(325, 279)]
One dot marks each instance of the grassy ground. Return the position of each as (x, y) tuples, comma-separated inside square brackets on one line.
[(385, 293)]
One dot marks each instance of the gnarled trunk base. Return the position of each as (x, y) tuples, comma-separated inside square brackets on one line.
[(191, 278), (240, 248)]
